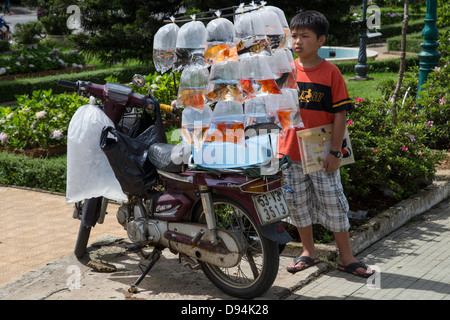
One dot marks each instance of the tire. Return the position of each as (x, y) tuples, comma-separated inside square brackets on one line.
[(258, 267), (90, 213)]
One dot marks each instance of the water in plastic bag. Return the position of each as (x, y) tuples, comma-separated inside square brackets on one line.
[(220, 43), (164, 44), (227, 123), (194, 125), (190, 46), (192, 87), (255, 111)]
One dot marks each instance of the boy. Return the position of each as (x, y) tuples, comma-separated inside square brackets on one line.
[(318, 197)]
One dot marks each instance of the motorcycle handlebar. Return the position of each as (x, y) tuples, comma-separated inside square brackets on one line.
[(67, 84), (96, 90)]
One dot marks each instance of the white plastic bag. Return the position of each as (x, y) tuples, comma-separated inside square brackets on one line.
[(89, 173)]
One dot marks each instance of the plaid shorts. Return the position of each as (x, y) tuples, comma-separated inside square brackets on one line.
[(317, 197)]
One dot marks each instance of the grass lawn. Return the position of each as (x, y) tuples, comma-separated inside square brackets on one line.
[(367, 89)]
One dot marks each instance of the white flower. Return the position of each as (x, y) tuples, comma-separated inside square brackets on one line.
[(31, 65), (56, 134), (9, 116), (2, 71), (41, 114), (3, 137)]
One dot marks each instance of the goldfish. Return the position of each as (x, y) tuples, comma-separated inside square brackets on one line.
[(190, 98), (252, 45), (225, 92), (269, 86), (220, 53), (247, 89)]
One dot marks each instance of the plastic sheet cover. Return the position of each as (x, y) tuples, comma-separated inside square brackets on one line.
[(89, 173)]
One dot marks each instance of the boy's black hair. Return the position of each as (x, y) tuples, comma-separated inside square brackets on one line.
[(312, 20)]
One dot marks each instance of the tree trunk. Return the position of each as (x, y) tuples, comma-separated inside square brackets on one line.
[(402, 61)]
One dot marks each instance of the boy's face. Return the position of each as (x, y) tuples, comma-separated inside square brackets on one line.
[(305, 42)]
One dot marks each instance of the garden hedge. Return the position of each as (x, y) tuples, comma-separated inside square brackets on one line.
[(9, 89), (386, 65), (43, 173)]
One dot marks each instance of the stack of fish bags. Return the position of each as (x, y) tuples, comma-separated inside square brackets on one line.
[(234, 76)]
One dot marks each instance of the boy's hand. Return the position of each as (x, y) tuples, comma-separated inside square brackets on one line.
[(331, 164)]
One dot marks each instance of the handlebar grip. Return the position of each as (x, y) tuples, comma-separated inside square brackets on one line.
[(67, 84), (167, 108)]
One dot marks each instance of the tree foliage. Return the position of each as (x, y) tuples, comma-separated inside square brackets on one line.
[(117, 30)]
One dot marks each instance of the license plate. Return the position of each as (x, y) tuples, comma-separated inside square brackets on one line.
[(271, 206)]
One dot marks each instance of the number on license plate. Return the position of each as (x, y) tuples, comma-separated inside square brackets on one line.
[(271, 206)]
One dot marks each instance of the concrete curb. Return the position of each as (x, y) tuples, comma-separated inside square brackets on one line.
[(385, 222)]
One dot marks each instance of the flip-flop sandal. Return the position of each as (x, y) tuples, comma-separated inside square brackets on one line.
[(293, 268), (351, 268)]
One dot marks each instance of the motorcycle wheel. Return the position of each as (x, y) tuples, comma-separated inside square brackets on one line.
[(91, 209), (258, 267)]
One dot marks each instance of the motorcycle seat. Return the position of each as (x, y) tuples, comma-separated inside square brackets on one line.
[(166, 157)]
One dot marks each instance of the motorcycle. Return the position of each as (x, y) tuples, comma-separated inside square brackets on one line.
[(225, 221)]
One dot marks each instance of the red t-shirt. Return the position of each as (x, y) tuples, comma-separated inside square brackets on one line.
[(322, 94)]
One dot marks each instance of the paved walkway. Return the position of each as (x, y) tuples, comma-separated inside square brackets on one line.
[(37, 227), (414, 263)]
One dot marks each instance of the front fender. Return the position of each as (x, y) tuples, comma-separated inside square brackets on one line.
[(276, 232)]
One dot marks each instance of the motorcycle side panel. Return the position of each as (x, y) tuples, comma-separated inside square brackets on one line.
[(173, 207)]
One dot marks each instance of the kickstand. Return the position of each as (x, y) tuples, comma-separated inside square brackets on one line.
[(154, 257)]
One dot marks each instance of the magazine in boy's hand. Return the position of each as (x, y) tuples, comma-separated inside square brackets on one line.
[(315, 145)]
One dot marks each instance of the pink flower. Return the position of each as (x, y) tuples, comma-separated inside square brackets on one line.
[(442, 101), (174, 103), (405, 149), (359, 100), (412, 137), (430, 124), (375, 151), (3, 137), (350, 122), (41, 114), (437, 69), (56, 134)]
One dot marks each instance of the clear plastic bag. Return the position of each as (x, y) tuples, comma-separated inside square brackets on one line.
[(190, 47), (192, 87), (89, 173), (250, 36), (164, 44), (220, 43), (272, 28), (255, 111), (227, 123), (194, 124), (224, 82), (284, 24)]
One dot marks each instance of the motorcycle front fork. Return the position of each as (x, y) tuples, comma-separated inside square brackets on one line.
[(208, 209)]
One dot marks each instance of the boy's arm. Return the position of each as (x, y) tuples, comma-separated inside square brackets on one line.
[(332, 163)]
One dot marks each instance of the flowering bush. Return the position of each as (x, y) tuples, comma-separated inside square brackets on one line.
[(41, 59), (41, 120), (391, 159), (432, 107)]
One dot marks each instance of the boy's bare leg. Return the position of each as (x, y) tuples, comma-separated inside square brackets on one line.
[(306, 236), (345, 251)]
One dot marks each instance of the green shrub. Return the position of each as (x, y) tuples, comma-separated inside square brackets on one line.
[(392, 159), (28, 33), (46, 173), (41, 120), (385, 65), (55, 24), (9, 89), (40, 59), (4, 45)]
